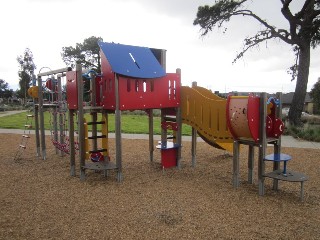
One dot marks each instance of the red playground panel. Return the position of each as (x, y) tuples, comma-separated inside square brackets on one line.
[(138, 93), (169, 157), (243, 118), (72, 91)]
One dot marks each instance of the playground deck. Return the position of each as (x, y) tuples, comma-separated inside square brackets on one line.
[(39, 200)]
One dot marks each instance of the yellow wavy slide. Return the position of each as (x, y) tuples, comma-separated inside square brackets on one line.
[(206, 112)]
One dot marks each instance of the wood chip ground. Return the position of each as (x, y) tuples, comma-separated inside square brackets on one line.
[(40, 200)]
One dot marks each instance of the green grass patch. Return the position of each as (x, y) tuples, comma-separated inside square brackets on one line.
[(130, 123)]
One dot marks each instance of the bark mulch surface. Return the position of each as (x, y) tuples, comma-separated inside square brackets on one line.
[(40, 200)]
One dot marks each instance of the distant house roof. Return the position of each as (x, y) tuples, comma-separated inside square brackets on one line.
[(132, 61), (286, 97)]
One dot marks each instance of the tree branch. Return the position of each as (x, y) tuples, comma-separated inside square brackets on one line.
[(281, 33), (254, 41), (303, 9)]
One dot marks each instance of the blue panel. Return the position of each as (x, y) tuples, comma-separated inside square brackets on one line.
[(132, 61)]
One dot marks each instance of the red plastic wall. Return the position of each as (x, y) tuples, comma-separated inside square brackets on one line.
[(72, 92), (169, 157), (137, 93)]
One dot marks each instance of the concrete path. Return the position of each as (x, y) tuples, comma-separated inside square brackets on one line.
[(7, 113), (286, 141)]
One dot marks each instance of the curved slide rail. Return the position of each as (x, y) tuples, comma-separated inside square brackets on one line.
[(206, 112)]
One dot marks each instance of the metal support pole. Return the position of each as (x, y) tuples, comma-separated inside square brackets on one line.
[(82, 153), (54, 115), (178, 136), (36, 125), (277, 145), (41, 118), (193, 146), (61, 112), (71, 144), (179, 124), (236, 165), (262, 142), (163, 130), (118, 131), (193, 140), (250, 164), (151, 139)]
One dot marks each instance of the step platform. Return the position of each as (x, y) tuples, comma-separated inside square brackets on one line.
[(98, 166), (289, 176)]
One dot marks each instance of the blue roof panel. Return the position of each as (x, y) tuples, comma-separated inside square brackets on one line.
[(132, 61)]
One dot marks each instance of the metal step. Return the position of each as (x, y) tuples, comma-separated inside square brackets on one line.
[(98, 150), (95, 137), (95, 123), (170, 118)]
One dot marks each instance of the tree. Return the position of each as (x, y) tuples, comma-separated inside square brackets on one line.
[(315, 94), (86, 53), (5, 92), (26, 72), (303, 34)]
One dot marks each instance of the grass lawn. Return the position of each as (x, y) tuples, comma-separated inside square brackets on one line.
[(137, 124)]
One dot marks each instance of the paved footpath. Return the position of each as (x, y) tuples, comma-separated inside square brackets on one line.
[(286, 141)]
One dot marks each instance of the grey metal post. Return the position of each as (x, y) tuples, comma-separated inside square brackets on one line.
[(71, 143), (179, 124), (163, 131), (151, 139), (118, 131), (193, 140), (262, 142), (250, 163), (41, 119), (82, 153), (36, 125), (193, 146), (277, 146), (61, 111), (178, 136), (236, 166), (54, 115)]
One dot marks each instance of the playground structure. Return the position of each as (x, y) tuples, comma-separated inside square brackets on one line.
[(255, 121), (134, 78)]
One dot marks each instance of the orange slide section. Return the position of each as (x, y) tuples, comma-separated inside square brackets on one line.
[(206, 112)]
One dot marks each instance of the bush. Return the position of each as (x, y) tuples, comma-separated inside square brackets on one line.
[(311, 133)]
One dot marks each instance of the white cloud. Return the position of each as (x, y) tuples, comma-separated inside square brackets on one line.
[(46, 26)]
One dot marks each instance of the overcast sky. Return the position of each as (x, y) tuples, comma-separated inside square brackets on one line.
[(45, 26)]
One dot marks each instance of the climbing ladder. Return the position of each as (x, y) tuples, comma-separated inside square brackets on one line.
[(25, 136)]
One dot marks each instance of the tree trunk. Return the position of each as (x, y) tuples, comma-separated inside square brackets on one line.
[(299, 96)]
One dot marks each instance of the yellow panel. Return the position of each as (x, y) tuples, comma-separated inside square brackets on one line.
[(206, 112)]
